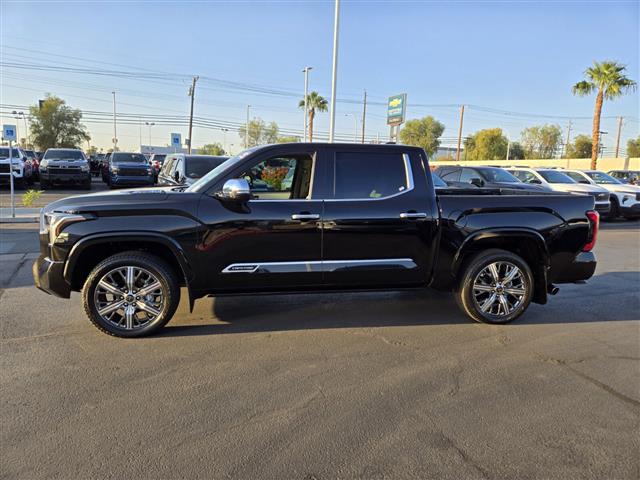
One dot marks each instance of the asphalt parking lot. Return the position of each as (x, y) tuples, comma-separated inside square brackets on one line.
[(372, 386)]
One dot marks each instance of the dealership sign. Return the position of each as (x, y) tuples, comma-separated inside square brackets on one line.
[(396, 109)]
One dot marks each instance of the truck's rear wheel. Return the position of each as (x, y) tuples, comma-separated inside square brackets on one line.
[(495, 286), (131, 294)]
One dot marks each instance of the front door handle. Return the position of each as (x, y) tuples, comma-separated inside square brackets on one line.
[(305, 216), (412, 215)]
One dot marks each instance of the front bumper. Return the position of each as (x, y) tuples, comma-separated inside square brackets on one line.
[(65, 178), (582, 268), (631, 211), (132, 181), (48, 276)]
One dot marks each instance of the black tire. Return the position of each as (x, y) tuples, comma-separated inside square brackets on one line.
[(44, 185), (615, 209), (468, 299), (86, 186), (157, 267)]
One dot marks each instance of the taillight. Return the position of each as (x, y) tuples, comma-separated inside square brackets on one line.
[(594, 224)]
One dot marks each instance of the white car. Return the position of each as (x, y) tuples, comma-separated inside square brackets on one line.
[(558, 181), (625, 198), (22, 170)]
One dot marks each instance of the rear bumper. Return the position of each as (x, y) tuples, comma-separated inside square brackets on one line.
[(582, 268), (49, 277)]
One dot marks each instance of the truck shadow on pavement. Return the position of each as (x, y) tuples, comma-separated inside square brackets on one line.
[(286, 312)]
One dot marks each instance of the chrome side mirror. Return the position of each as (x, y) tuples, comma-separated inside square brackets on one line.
[(236, 190)]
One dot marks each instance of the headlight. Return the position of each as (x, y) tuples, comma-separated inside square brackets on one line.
[(44, 163), (84, 168), (52, 223), (115, 169)]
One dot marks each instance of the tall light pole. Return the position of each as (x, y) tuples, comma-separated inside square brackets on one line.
[(334, 76), (508, 144), (149, 124), (115, 134), (192, 94), (355, 132), (306, 94), (224, 139), (246, 131), (19, 115)]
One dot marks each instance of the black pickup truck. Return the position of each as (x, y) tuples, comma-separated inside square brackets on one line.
[(349, 217)]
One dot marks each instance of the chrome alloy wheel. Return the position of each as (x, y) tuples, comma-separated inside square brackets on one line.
[(499, 289), (129, 297)]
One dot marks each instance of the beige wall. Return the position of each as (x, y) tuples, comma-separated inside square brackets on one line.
[(605, 164)]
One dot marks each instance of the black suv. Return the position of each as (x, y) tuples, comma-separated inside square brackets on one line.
[(352, 217), (129, 169), (490, 177)]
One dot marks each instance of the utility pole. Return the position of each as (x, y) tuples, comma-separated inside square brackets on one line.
[(460, 133), (306, 99), (618, 136), (115, 134), (566, 145), (364, 113), (334, 76), (246, 131), (192, 94)]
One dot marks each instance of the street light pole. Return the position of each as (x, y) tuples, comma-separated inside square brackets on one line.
[(224, 139), (306, 94), (246, 131), (334, 77), (115, 135), (149, 124)]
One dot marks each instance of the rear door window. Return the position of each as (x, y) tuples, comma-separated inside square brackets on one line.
[(451, 174), (359, 175)]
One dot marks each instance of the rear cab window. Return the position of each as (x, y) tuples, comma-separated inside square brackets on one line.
[(367, 175)]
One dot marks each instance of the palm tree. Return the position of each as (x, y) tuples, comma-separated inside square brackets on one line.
[(314, 103), (609, 80)]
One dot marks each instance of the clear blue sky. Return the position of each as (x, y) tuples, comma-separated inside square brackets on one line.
[(508, 56)]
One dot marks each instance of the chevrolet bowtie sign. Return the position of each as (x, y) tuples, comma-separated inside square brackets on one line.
[(396, 109)]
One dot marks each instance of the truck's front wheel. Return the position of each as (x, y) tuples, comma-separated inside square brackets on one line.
[(495, 286), (131, 294)]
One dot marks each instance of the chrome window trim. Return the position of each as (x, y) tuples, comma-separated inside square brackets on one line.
[(408, 178), (317, 266)]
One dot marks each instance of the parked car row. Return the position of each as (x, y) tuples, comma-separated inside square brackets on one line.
[(613, 197)]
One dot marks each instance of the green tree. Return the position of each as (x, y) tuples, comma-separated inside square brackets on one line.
[(92, 150), (315, 103), (211, 149), (270, 133), (56, 125), (609, 81), (633, 148), (580, 148), (541, 141), (516, 152), (487, 144), (423, 132)]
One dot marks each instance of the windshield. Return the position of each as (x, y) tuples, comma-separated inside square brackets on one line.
[(498, 175), (552, 176), (63, 155), (602, 178), (4, 153), (198, 167), (201, 184), (437, 181), (128, 158)]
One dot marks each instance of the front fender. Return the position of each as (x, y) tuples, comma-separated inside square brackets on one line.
[(140, 236)]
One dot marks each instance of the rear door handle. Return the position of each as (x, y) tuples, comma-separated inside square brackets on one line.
[(305, 216), (412, 215)]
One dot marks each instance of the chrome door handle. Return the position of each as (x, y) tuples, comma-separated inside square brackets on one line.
[(305, 216), (413, 215)]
